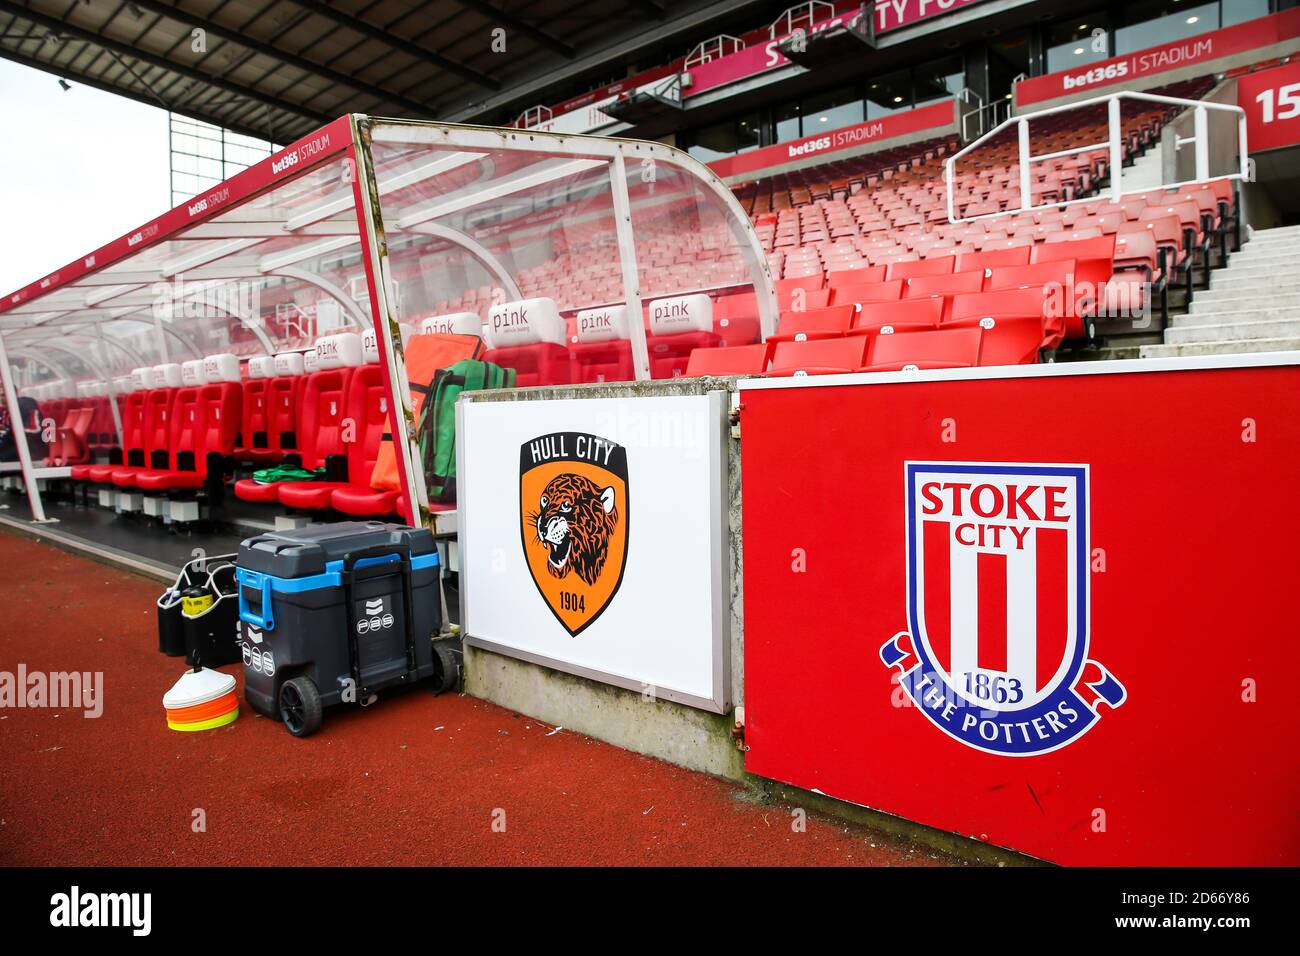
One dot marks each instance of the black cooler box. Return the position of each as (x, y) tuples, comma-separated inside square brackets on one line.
[(334, 612)]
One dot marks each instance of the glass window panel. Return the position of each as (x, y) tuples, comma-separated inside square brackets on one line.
[(828, 111), (889, 94), (1166, 29)]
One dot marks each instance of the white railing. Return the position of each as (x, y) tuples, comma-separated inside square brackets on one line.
[(803, 14), (710, 50), (1113, 144), (533, 116)]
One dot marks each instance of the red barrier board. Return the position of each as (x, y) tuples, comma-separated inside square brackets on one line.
[(1271, 99), (936, 116), (763, 54), (1049, 608), (1202, 49)]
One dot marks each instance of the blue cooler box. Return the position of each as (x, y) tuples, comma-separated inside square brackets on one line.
[(333, 613)]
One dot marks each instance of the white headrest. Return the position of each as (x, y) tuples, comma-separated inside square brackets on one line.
[(261, 366), (192, 373), (222, 367), (526, 322), (683, 313), (341, 350), (310, 362), (167, 375), (455, 323), (124, 384), (141, 378), (602, 325), (289, 363), (370, 346)]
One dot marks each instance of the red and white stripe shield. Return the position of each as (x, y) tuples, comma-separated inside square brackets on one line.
[(998, 577)]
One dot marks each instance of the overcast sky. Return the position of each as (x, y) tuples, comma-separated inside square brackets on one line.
[(77, 169)]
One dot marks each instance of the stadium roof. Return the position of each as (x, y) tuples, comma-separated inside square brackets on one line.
[(278, 69)]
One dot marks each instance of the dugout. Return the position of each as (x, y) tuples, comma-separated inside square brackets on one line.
[(329, 256)]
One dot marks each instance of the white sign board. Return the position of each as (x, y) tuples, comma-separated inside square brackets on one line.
[(593, 539)]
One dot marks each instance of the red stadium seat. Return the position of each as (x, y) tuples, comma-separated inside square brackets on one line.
[(890, 291), (1007, 339), (785, 287), (910, 315), (735, 318), (946, 348), (921, 267), (820, 357), (737, 360), (857, 276), (988, 259), (1056, 278), (815, 324)]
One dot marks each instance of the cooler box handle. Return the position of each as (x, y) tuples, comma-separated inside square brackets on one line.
[(252, 579)]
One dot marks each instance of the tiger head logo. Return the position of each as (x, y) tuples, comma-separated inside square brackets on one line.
[(574, 521), (575, 509)]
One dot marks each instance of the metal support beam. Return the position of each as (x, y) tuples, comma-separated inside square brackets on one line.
[(162, 63), (476, 249), (292, 59), (20, 434), (499, 16), (627, 259), (410, 49)]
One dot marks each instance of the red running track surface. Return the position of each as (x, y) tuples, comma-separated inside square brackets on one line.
[(413, 780)]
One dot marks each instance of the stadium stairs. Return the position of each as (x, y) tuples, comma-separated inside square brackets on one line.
[(1253, 305)]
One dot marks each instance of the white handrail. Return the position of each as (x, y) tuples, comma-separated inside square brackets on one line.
[(706, 51), (1113, 143), (797, 15)]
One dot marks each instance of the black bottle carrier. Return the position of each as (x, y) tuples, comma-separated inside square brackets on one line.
[(333, 613)]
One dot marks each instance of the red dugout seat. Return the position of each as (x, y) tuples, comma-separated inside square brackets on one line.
[(321, 415), (679, 326), (132, 450), (157, 427), (205, 419), (602, 352), (530, 337)]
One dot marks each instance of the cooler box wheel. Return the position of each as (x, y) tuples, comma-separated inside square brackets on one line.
[(446, 667), (300, 707)]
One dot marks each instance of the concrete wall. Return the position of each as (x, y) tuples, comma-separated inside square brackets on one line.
[(1180, 163)]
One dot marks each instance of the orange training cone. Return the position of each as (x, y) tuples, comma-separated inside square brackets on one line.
[(202, 699)]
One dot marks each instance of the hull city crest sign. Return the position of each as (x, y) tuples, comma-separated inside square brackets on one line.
[(573, 497), (998, 604)]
